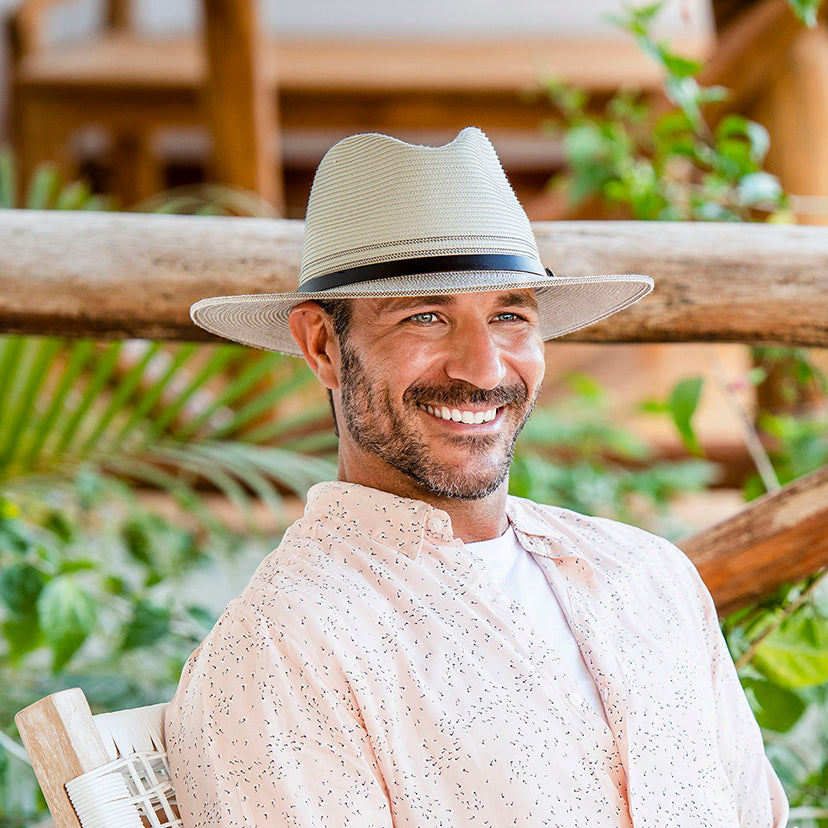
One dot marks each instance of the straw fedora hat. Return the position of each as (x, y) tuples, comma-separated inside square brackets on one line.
[(387, 218)]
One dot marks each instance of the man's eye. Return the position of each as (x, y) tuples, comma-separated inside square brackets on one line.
[(425, 318), (508, 316)]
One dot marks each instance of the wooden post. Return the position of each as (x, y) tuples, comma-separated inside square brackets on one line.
[(63, 742), (118, 15), (138, 171), (795, 111), (241, 106), (750, 53)]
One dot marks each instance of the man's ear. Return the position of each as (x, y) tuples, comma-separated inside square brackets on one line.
[(312, 329)]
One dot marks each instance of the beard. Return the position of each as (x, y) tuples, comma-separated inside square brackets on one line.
[(376, 426)]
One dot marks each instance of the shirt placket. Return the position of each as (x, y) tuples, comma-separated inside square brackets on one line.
[(573, 581), (544, 661)]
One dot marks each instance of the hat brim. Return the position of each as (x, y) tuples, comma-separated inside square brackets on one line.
[(565, 303)]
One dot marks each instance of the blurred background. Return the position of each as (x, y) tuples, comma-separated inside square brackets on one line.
[(141, 482)]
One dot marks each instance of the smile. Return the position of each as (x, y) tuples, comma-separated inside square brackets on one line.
[(458, 416)]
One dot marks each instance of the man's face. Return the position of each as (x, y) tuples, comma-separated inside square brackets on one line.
[(437, 389)]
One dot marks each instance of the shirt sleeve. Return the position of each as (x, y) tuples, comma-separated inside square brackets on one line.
[(757, 791), (256, 737)]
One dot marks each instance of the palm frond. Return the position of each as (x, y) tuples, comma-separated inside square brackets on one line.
[(174, 417)]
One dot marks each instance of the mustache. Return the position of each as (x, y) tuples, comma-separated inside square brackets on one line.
[(459, 393)]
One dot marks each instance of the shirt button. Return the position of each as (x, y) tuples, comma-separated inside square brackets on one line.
[(576, 700), (436, 525), (503, 600)]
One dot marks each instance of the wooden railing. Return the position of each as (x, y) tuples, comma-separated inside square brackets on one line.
[(111, 275)]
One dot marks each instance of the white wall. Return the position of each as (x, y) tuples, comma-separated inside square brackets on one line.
[(375, 18)]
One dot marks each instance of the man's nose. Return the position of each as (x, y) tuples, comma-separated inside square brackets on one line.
[(475, 357)]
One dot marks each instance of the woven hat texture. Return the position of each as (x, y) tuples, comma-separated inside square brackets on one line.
[(387, 218)]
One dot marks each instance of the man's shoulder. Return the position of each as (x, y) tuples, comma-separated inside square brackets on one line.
[(600, 539)]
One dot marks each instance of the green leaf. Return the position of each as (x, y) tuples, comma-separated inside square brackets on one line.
[(206, 618), (806, 10), (679, 66), (15, 537), (736, 128), (795, 655), (23, 635), (44, 186), (20, 586), (759, 188), (32, 370), (43, 429), (59, 522), (638, 19), (77, 566), (149, 623), (775, 708), (8, 179), (682, 404), (67, 615), (104, 364)]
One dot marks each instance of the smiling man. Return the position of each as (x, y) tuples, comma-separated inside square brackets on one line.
[(422, 649)]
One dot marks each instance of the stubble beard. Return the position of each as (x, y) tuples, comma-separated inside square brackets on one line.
[(376, 427)]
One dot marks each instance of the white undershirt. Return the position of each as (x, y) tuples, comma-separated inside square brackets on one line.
[(514, 570)]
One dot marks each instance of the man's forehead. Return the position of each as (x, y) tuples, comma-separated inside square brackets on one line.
[(522, 298)]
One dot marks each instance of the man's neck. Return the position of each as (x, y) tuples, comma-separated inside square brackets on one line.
[(471, 520), (475, 520)]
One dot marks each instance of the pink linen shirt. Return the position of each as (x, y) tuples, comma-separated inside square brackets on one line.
[(372, 674)]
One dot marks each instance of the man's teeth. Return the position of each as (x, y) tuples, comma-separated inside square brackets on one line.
[(459, 416)]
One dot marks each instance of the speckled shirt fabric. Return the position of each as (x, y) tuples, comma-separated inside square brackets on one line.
[(371, 674)]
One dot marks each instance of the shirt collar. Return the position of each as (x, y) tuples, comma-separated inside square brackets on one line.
[(403, 523), (398, 522)]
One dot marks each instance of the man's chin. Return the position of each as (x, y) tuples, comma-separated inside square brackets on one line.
[(450, 485)]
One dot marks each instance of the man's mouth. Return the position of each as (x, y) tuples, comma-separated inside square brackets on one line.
[(459, 415)]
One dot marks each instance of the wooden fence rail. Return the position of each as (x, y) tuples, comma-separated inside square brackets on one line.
[(130, 274), (133, 275)]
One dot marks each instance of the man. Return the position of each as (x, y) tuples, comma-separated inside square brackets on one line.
[(423, 650)]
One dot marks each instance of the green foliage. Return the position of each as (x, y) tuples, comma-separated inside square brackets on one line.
[(46, 189), (67, 614), (680, 406), (574, 455), (111, 410), (806, 10), (668, 166), (78, 608), (796, 653)]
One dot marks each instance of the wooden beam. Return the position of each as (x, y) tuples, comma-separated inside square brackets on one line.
[(135, 275), (241, 108), (779, 538), (63, 742)]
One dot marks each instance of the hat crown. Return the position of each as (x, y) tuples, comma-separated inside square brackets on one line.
[(375, 199)]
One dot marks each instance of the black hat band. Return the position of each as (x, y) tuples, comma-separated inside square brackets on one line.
[(424, 264)]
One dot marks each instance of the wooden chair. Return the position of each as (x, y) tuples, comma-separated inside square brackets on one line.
[(103, 771)]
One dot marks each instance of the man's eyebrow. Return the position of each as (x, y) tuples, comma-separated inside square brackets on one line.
[(515, 299), (519, 299), (397, 303)]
